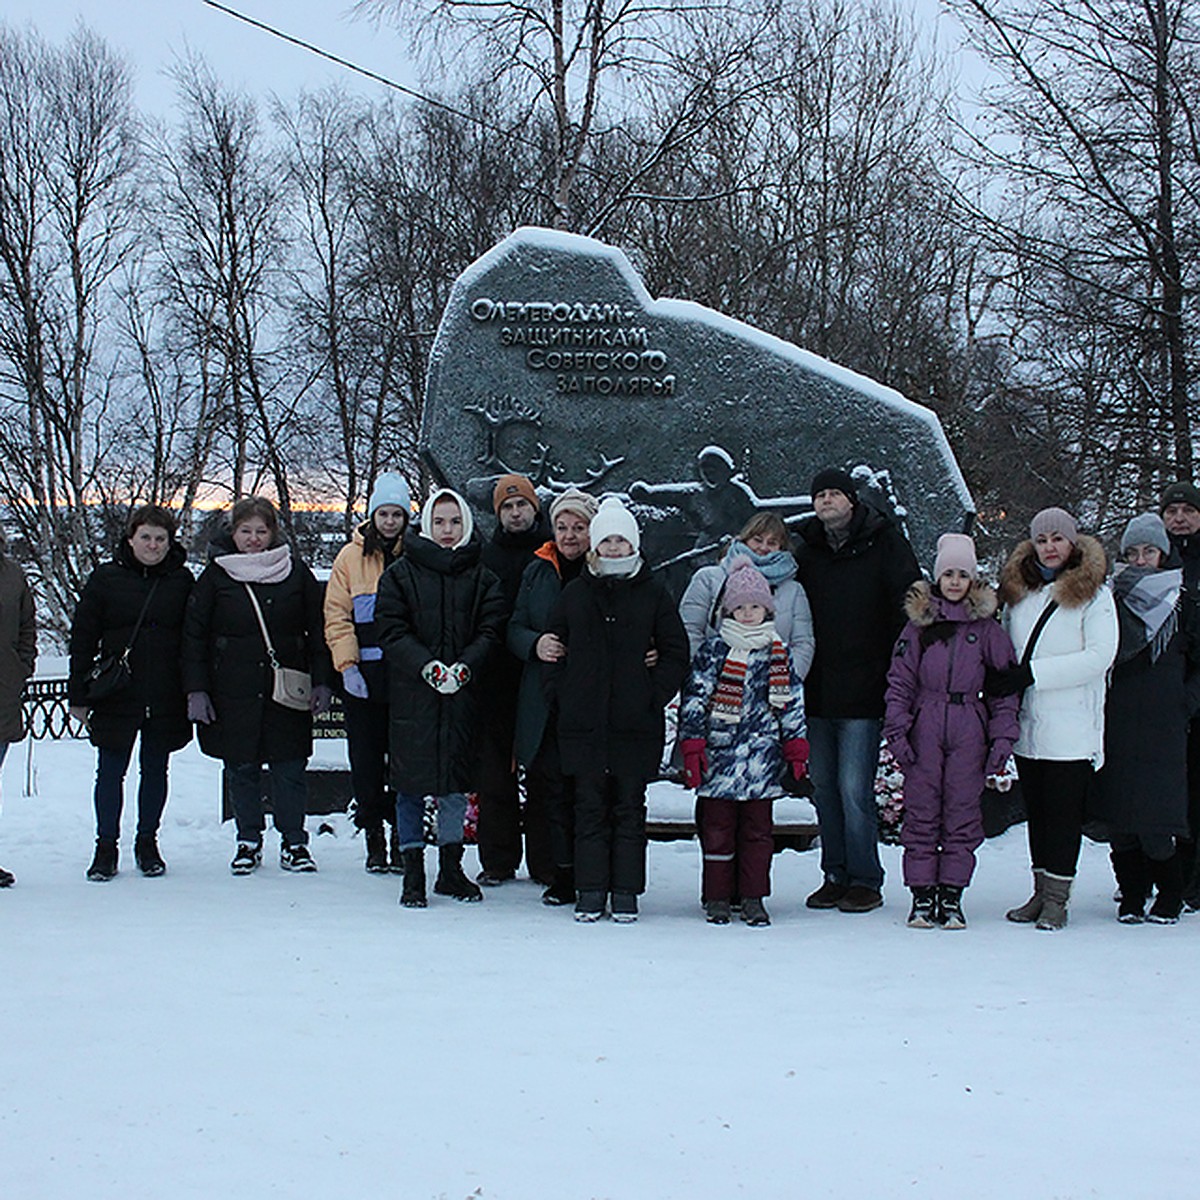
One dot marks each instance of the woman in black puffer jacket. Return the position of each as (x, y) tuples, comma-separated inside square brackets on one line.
[(148, 571), (439, 614), (229, 679)]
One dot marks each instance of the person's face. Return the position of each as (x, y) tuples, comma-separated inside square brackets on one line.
[(1144, 555), (954, 583), (571, 535), (447, 523), (390, 520), (764, 543), (252, 535), (1181, 519), (150, 544), (833, 507), (614, 546), (749, 614), (1052, 550), (517, 515)]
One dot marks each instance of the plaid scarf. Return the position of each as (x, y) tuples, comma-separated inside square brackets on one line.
[(742, 641)]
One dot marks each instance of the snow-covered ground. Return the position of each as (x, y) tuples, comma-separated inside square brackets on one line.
[(303, 1036)]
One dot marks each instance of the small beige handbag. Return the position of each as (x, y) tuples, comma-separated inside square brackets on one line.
[(292, 688)]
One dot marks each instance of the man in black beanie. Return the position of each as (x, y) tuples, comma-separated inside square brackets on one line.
[(1180, 508), (855, 565)]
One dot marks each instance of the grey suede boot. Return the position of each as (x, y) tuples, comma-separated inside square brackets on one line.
[(1029, 912), (1056, 891)]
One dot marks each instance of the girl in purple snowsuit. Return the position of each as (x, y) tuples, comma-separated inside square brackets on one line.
[(945, 735)]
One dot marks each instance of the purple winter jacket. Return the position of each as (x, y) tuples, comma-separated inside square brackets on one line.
[(934, 692)]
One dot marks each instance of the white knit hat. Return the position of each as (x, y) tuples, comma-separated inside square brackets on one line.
[(613, 518)]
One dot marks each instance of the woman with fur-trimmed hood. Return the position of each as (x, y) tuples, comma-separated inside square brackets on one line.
[(945, 735), (1057, 574)]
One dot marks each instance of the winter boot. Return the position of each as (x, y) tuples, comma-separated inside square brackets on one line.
[(562, 890), (753, 912), (396, 854), (7, 878), (1168, 878), (717, 912), (589, 907), (949, 913), (923, 914), (1056, 891), (147, 857), (104, 862), (450, 878), (1132, 871), (1029, 912), (624, 908), (413, 893), (377, 859)]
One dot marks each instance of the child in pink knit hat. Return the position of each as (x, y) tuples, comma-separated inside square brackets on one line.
[(943, 732), (741, 728)]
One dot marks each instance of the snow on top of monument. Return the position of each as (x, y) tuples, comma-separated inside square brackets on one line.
[(576, 243)]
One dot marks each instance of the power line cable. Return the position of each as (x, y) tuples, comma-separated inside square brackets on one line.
[(366, 72)]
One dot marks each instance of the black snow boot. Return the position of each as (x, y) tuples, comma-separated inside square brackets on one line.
[(923, 914), (450, 878), (413, 893), (147, 857), (949, 907), (104, 862), (1168, 878), (377, 858), (1132, 871), (397, 855), (7, 878), (562, 890)]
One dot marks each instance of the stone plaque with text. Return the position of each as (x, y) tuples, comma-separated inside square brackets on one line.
[(553, 361)]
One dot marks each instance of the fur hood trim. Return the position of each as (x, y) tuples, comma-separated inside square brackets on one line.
[(922, 607), (1074, 587)]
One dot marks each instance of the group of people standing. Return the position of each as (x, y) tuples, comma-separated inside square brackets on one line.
[(540, 660)]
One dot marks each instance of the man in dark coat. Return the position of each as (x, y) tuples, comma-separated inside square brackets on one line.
[(439, 613), (855, 566), (1179, 506), (520, 530), (18, 636)]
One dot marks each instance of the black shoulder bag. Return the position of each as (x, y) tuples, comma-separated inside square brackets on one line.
[(112, 673)]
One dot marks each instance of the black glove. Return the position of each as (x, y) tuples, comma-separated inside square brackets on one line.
[(1007, 681)]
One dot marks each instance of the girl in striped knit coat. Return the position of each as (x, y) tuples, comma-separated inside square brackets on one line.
[(741, 725)]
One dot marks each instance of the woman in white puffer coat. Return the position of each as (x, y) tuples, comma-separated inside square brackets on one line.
[(1063, 681)]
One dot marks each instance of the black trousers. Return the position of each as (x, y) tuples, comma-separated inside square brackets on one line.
[(610, 834), (1054, 794), (367, 745), (549, 805), (502, 820)]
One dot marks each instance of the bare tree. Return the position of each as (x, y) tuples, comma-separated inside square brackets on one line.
[(1094, 123), (67, 152), (221, 249)]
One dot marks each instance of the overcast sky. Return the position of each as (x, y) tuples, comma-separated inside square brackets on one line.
[(151, 33)]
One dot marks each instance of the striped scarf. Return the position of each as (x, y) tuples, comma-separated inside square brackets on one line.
[(742, 641)]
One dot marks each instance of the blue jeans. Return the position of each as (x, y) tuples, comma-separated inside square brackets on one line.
[(410, 819), (289, 800), (109, 796), (844, 757)]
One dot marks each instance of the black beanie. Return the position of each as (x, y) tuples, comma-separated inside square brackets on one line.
[(840, 481), (1180, 493)]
